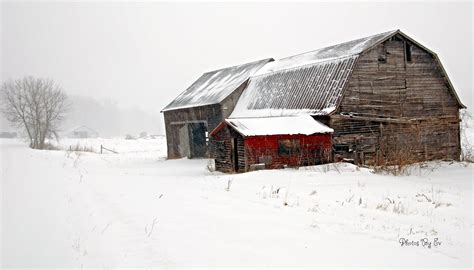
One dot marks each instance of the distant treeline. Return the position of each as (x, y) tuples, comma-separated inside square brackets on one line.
[(109, 120)]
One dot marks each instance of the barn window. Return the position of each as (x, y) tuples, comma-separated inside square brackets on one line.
[(288, 147), (408, 52)]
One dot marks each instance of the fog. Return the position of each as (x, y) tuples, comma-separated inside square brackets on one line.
[(139, 56)]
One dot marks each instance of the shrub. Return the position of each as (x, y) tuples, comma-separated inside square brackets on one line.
[(81, 148)]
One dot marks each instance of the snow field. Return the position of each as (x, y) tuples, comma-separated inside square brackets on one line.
[(137, 209)]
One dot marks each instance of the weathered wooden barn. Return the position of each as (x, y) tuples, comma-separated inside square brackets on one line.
[(387, 98), (202, 106), (244, 144)]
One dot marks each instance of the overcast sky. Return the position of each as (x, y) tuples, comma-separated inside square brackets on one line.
[(145, 54)]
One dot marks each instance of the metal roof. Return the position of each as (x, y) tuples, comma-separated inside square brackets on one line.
[(310, 89), (310, 83), (342, 50), (214, 86), (286, 125)]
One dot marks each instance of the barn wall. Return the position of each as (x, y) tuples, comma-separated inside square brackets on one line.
[(315, 149), (212, 115), (224, 145), (400, 97), (176, 119)]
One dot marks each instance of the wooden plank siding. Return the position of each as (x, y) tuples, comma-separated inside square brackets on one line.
[(175, 119), (222, 150), (212, 115), (390, 97)]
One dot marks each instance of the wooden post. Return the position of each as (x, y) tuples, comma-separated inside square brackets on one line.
[(104, 148)]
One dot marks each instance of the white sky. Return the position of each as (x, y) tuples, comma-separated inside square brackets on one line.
[(145, 54)]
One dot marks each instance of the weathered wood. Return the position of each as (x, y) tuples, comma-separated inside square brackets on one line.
[(211, 115), (397, 99)]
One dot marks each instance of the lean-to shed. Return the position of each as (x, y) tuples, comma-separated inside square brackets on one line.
[(243, 144)]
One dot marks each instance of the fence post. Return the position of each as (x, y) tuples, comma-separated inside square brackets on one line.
[(101, 149)]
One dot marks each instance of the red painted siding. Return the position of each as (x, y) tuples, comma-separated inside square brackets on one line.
[(313, 149)]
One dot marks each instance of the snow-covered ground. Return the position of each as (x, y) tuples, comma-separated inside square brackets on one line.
[(137, 209)]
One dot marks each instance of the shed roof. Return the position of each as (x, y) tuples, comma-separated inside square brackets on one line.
[(286, 125), (214, 86)]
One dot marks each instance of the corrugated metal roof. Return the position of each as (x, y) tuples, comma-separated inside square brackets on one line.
[(311, 89), (286, 125), (214, 86), (311, 82), (341, 50)]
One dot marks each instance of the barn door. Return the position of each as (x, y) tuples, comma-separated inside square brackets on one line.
[(197, 135), (183, 146)]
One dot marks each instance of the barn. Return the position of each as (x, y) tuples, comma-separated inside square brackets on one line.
[(387, 98), (245, 144), (201, 107)]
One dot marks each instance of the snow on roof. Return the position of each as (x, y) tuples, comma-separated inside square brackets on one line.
[(342, 50), (312, 89), (307, 83), (214, 86), (286, 125)]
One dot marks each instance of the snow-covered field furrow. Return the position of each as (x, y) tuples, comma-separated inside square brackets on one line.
[(137, 209)]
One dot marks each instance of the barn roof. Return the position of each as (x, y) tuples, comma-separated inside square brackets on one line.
[(311, 89), (214, 86), (334, 52), (285, 125), (309, 83)]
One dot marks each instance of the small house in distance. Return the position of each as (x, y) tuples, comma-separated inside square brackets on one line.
[(244, 144), (200, 108), (82, 132)]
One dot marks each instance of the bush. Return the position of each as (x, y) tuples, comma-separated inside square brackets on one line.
[(81, 148)]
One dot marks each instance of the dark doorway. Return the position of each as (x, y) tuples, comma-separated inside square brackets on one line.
[(197, 138), (235, 154)]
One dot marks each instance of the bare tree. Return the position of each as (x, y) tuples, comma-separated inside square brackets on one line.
[(36, 105), (467, 150)]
